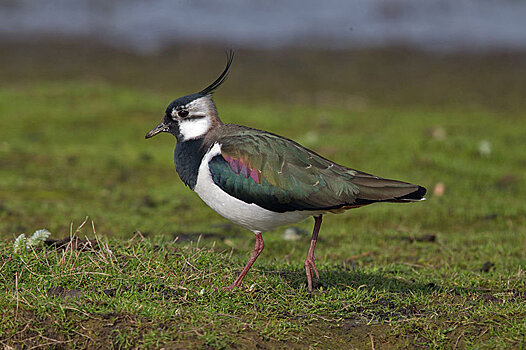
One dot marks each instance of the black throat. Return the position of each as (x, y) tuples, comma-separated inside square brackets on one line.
[(187, 157)]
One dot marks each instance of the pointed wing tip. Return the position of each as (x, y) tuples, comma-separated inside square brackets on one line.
[(415, 196)]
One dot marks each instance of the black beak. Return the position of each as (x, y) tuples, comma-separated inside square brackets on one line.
[(159, 128)]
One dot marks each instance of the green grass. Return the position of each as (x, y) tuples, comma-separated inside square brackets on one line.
[(73, 147)]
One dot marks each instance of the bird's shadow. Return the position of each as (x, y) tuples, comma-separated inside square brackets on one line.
[(340, 277), (399, 298), (343, 277)]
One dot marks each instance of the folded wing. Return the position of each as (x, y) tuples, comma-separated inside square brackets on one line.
[(280, 175)]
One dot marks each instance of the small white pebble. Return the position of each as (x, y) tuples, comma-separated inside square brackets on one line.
[(292, 234), (485, 148)]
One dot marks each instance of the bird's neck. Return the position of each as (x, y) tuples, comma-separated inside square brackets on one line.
[(187, 157)]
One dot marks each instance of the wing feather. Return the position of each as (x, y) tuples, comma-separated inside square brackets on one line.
[(280, 175)]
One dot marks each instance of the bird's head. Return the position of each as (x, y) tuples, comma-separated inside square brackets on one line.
[(192, 116)]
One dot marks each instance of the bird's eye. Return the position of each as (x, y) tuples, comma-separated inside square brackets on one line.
[(183, 113)]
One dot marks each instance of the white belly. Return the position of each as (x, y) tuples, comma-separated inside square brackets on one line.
[(249, 216)]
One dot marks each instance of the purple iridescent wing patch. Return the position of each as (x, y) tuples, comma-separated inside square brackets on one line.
[(243, 168)]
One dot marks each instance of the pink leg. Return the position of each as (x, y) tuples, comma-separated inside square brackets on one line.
[(258, 248), (309, 261)]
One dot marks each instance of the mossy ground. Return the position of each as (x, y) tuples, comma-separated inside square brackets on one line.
[(446, 273)]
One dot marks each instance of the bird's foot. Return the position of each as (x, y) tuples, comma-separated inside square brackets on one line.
[(309, 267), (230, 287)]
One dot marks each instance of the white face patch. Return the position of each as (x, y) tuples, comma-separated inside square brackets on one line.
[(194, 128)]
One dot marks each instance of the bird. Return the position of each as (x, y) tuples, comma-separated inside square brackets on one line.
[(260, 180)]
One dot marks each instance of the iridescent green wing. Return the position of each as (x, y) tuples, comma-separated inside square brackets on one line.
[(281, 175)]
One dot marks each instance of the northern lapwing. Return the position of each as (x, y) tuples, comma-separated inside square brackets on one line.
[(260, 180)]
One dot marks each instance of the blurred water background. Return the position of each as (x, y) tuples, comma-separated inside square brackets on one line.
[(150, 26)]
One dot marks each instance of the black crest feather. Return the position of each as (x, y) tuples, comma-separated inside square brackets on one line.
[(210, 88)]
